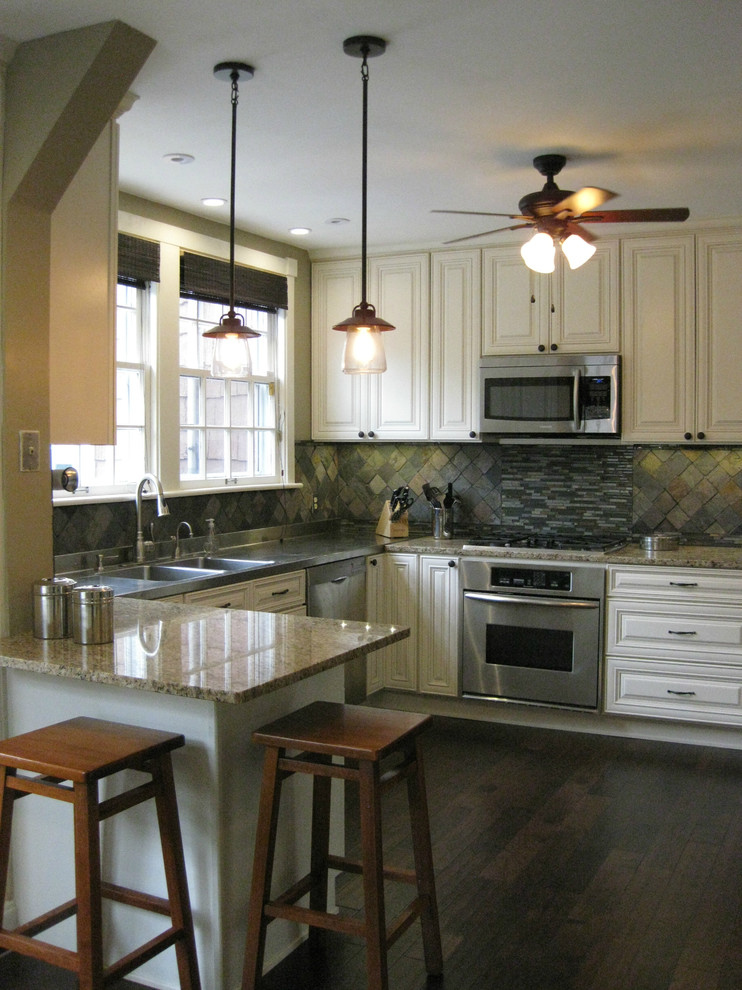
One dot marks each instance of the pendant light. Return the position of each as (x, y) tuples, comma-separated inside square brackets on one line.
[(364, 351), (231, 355)]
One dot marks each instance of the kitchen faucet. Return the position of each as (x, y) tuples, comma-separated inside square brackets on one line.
[(189, 532), (162, 509)]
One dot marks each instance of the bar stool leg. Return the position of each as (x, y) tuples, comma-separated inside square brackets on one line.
[(175, 871), (321, 797), (88, 886), (373, 876), (265, 847), (424, 866), (6, 818)]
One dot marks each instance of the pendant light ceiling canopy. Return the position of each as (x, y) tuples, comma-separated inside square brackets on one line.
[(364, 351), (231, 356)]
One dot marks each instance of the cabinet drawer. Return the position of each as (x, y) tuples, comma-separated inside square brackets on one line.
[(233, 596), (675, 691), (691, 632), (676, 583), (278, 593)]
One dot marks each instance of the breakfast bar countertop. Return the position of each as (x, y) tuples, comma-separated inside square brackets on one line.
[(213, 654)]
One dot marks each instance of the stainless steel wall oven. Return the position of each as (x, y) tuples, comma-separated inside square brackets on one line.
[(532, 631)]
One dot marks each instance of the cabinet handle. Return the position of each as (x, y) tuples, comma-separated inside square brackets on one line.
[(533, 299), (226, 605), (541, 347), (682, 694), (472, 434), (374, 562), (285, 591), (701, 436), (553, 308), (362, 434), (687, 436), (682, 632), (371, 433), (555, 347), (683, 584)]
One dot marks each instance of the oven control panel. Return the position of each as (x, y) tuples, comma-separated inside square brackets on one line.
[(522, 577)]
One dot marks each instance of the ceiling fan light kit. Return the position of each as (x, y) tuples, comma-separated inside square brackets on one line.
[(558, 214), (363, 353), (231, 354)]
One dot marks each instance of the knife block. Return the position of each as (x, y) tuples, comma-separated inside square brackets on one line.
[(386, 526)]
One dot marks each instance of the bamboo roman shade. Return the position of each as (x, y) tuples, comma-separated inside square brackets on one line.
[(208, 279), (138, 260)]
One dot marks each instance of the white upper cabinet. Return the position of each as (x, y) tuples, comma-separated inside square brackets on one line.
[(682, 347), (568, 311), (455, 328), (391, 406), (82, 288)]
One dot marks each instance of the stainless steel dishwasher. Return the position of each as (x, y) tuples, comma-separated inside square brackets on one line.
[(338, 591)]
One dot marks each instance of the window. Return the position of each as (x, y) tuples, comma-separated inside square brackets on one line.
[(227, 426)]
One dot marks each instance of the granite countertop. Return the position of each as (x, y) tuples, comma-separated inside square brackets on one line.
[(726, 557), (199, 652)]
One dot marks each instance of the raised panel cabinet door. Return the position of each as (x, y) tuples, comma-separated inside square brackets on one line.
[(515, 304), (400, 661), (82, 301), (338, 400), (438, 626), (719, 320), (399, 289), (586, 318), (376, 611), (455, 329), (658, 340)]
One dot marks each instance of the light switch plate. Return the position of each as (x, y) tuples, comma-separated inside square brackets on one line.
[(29, 449)]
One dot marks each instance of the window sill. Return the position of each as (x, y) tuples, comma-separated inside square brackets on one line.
[(60, 499)]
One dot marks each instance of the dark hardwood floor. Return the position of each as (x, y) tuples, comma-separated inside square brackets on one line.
[(563, 862)]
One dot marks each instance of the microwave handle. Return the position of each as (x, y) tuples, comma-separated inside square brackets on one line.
[(577, 421)]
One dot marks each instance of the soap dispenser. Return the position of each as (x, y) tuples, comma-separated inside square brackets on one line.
[(210, 545)]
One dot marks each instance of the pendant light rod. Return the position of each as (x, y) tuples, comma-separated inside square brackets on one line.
[(233, 72)]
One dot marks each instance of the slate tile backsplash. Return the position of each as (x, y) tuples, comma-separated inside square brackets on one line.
[(550, 488)]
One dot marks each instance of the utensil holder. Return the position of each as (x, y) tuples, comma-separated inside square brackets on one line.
[(392, 528)]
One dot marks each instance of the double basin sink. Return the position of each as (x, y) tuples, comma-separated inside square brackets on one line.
[(184, 569)]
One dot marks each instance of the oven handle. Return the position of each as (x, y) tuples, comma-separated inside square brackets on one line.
[(480, 596), (576, 401)]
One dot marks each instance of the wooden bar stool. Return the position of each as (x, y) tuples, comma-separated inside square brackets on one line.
[(359, 739), (65, 762)]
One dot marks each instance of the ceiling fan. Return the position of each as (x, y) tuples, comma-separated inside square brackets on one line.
[(558, 215)]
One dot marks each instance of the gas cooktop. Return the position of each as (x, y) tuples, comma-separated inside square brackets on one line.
[(596, 544)]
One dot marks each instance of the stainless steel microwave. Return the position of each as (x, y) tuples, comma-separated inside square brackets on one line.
[(550, 395)]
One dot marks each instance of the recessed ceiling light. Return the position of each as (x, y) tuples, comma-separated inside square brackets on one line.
[(179, 158), (300, 231), (337, 220), (213, 201)]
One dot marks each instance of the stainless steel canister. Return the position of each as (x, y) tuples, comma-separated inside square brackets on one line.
[(437, 521), (52, 614), (92, 614)]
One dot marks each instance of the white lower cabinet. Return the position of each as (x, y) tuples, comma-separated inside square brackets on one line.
[(277, 593), (421, 592), (674, 644)]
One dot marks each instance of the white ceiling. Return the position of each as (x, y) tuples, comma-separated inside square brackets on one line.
[(643, 97)]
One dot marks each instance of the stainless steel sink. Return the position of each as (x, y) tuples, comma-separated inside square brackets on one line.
[(223, 563), (161, 572)]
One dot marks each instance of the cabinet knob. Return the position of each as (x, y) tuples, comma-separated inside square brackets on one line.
[(361, 433), (371, 433), (554, 347), (541, 347), (687, 436), (472, 434), (553, 308), (452, 563), (533, 299), (373, 562), (701, 436)]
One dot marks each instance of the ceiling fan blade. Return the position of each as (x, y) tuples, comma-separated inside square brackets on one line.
[(583, 200), (637, 216), (481, 213), (572, 227), (469, 237)]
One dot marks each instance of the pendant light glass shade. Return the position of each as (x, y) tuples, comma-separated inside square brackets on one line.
[(577, 250), (363, 353), (231, 354), (538, 253)]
